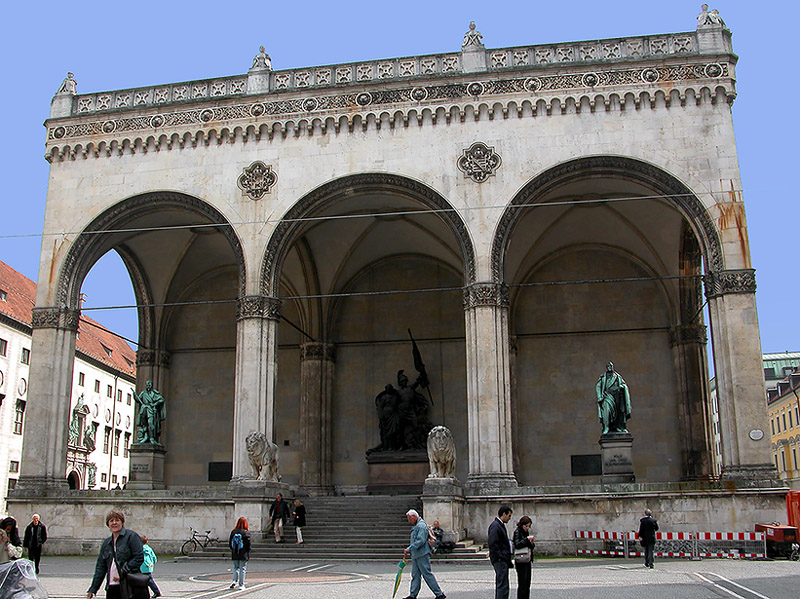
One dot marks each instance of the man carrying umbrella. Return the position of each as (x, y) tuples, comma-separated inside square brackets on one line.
[(420, 552)]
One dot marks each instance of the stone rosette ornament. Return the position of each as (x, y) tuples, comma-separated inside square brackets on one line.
[(257, 179), (479, 162)]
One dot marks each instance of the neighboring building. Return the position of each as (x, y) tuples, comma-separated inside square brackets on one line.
[(783, 405), (778, 366), (101, 407)]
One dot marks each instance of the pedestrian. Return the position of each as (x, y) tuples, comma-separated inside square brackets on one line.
[(523, 556), (299, 519), (35, 536), (149, 564), (647, 536), (121, 551), (239, 542), (279, 513), (420, 552), (500, 551), (14, 544)]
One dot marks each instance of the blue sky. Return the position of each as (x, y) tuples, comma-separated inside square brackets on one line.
[(121, 45)]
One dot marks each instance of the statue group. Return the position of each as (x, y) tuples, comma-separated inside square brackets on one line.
[(152, 410), (402, 416), (613, 401)]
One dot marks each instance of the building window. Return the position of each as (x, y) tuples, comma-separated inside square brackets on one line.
[(81, 379), (12, 483), (784, 420), (127, 443), (129, 399), (110, 391), (124, 480), (25, 358), (794, 457), (96, 386), (103, 477), (119, 394), (791, 424), (772, 424), (13, 466), (778, 422), (106, 440), (3, 296), (117, 435), (107, 350), (797, 414), (3, 347), (19, 417), (783, 462)]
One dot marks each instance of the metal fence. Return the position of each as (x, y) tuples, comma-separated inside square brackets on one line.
[(673, 544)]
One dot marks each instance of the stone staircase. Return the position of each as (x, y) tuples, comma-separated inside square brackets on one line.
[(357, 528)]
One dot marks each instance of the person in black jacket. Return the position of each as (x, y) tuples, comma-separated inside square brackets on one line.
[(278, 513), (647, 536), (120, 553), (299, 519), (9, 525), (239, 542), (523, 539), (500, 551), (35, 536)]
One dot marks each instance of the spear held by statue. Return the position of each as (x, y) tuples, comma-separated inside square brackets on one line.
[(419, 366)]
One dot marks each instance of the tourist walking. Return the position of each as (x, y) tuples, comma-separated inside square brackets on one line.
[(119, 554), (149, 564), (35, 536), (500, 551), (647, 536), (239, 542), (299, 519), (523, 556), (279, 513), (420, 552)]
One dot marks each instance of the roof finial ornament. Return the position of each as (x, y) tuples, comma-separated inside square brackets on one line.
[(68, 86), (262, 61), (472, 38), (709, 19)]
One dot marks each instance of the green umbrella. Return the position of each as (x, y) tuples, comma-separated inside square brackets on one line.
[(400, 567)]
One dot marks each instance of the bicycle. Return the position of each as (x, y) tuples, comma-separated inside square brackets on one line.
[(197, 541)]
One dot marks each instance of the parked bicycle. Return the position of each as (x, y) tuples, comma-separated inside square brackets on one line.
[(197, 541)]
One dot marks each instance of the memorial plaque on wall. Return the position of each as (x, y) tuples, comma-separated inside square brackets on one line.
[(587, 465)]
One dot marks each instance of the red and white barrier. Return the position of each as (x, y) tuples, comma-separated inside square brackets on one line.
[(754, 544)]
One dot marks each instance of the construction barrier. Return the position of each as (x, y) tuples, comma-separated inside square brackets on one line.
[(673, 544)]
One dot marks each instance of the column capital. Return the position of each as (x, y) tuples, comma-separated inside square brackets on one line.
[(152, 357), (723, 282), (258, 306), (486, 294), (55, 318), (318, 351), (688, 333)]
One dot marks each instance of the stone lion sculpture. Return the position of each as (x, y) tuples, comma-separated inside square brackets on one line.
[(263, 455), (441, 453)]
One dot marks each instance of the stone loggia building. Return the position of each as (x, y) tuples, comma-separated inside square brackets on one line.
[(530, 212)]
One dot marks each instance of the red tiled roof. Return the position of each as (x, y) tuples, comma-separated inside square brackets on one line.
[(93, 338)]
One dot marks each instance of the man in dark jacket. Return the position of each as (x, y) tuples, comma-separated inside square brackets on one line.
[(647, 536), (500, 551), (278, 513), (35, 536)]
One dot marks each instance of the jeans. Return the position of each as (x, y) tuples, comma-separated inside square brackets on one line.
[(35, 555), (152, 584), (523, 581), (277, 527), (648, 554), (500, 580), (239, 570), (299, 532), (421, 568)]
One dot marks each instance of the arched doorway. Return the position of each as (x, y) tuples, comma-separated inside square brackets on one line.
[(74, 480)]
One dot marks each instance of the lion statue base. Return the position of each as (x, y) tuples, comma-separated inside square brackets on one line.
[(441, 453), (263, 455)]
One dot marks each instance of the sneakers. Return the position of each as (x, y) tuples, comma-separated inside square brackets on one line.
[(442, 596), (233, 585), (241, 586)]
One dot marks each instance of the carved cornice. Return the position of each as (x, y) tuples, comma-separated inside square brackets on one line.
[(723, 282), (118, 133), (55, 318), (318, 351), (258, 306), (688, 333), (486, 294), (153, 357)]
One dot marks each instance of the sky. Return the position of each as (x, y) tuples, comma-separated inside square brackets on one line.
[(109, 45)]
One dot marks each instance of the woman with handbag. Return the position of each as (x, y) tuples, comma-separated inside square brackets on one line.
[(523, 555), (119, 561)]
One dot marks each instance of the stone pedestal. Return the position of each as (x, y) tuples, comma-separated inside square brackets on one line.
[(397, 472), (443, 500), (617, 453), (252, 499), (147, 466)]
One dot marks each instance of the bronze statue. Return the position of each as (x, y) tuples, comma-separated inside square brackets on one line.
[(152, 410), (613, 401)]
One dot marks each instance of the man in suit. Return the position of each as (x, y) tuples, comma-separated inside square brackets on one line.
[(500, 551), (420, 552), (647, 536)]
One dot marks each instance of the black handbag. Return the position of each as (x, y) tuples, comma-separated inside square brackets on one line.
[(134, 585)]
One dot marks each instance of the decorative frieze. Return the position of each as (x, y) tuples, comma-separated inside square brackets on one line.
[(318, 351), (724, 282), (55, 318), (688, 333), (257, 179), (486, 294), (258, 306), (152, 358), (479, 162)]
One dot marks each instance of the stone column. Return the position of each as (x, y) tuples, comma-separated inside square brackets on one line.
[(488, 386), (316, 385), (739, 368), (689, 356), (47, 417), (256, 359), (152, 365)]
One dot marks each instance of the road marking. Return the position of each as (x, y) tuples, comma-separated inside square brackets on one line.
[(227, 592), (303, 567), (736, 584), (319, 567), (720, 587)]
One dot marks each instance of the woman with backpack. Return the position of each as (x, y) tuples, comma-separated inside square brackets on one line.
[(239, 543)]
